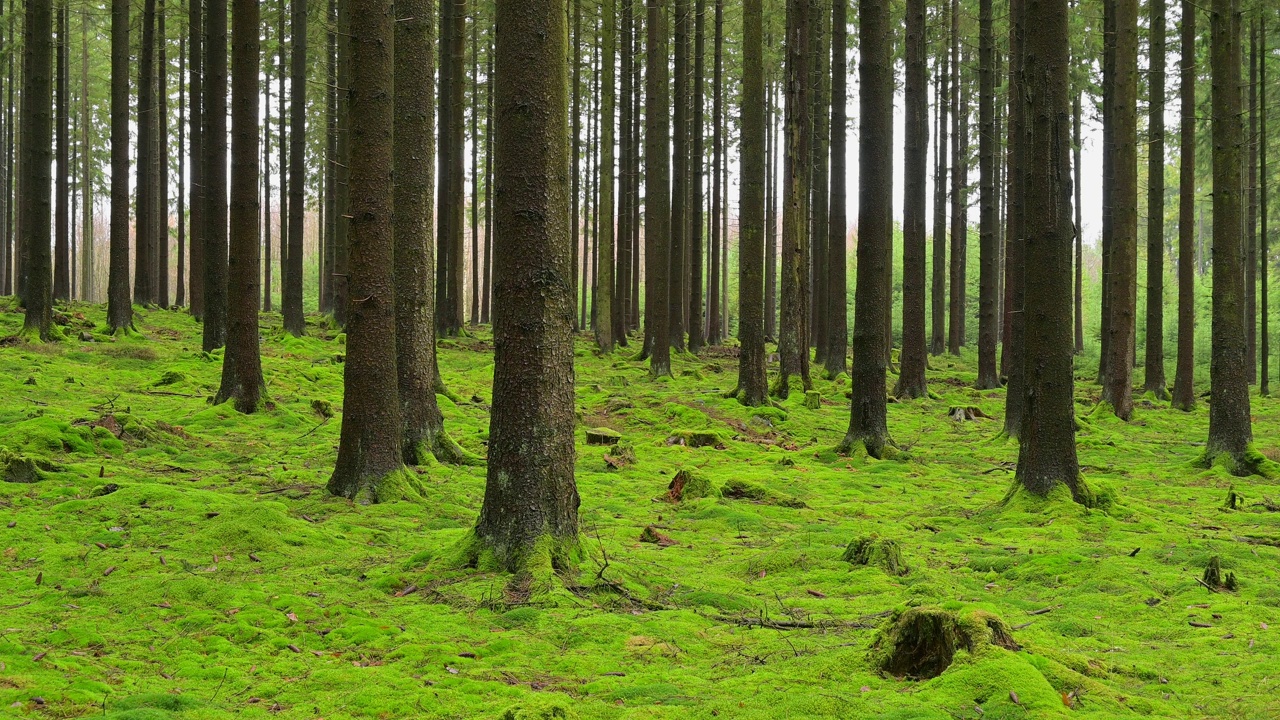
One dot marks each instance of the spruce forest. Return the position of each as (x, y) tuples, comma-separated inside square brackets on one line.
[(602, 359)]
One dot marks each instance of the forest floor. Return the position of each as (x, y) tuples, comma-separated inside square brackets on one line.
[(177, 560)]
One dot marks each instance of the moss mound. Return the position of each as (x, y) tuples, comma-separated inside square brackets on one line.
[(687, 486), (922, 642), (875, 550)]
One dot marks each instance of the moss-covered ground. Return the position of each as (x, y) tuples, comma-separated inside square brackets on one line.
[(177, 560)]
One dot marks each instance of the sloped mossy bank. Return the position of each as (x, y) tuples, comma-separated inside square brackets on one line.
[(175, 560)]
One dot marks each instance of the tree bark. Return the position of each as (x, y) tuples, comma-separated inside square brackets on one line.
[(816, 298), (679, 227), (529, 520), (160, 198), (37, 146), (119, 305), (988, 267), (214, 172), (88, 281), (1047, 452), (959, 193), (62, 220), (938, 288), (1076, 168), (657, 170), (342, 214), (144, 276), (1264, 268), (370, 465), (1183, 384), (868, 424), (620, 307), (1016, 225), (196, 150), (793, 349), (836, 265), (697, 335), (604, 300), (1251, 213), (1153, 366), (914, 357), (752, 387), (291, 302), (771, 218), (1122, 285)]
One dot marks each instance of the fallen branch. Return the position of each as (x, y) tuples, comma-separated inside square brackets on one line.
[(1044, 611)]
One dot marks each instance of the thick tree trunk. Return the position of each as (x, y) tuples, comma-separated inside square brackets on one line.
[(529, 520), (370, 465), (119, 306), (793, 349), (196, 151), (1154, 358), (1047, 454), (1230, 431), (62, 220), (1122, 284), (215, 176), (752, 387), (988, 266), (657, 171), (37, 147), (1183, 384), (868, 423), (242, 364), (835, 265), (291, 301), (342, 173), (914, 358), (604, 300), (1016, 225)]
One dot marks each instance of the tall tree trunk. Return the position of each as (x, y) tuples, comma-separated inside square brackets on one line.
[(196, 151), (1251, 213), (475, 171), (88, 282), (657, 180), (1183, 384), (242, 364), (938, 286), (771, 220), (1078, 302), (214, 172), (604, 300), (1016, 223), (266, 186), (988, 267), (959, 192), (793, 348), (486, 299), (697, 337), (1264, 267), (370, 467), (62, 221), (575, 154), (144, 276), (160, 204), (621, 300), (286, 187), (1109, 153), (714, 336), (449, 318), (914, 358), (6, 151), (752, 387), (1047, 453), (1154, 359), (342, 214), (330, 200), (1230, 431), (119, 305), (180, 290), (835, 265), (816, 298), (676, 275), (529, 520), (637, 68), (868, 423), (37, 145), (1123, 281), (291, 300)]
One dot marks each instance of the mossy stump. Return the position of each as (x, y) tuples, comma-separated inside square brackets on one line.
[(15, 468), (874, 550), (687, 486), (921, 642), (1215, 579), (813, 399), (603, 436), (694, 438)]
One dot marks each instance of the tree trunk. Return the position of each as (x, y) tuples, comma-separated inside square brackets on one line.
[(575, 155), (771, 219), (529, 520), (1183, 384), (291, 300), (370, 466), (697, 337), (835, 266), (342, 214), (1230, 431), (214, 114), (144, 276), (657, 172), (330, 201), (180, 291), (637, 47), (266, 189), (196, 151), (1016, 225), (1123, 280), (475, 170), (752, 387), (486, 299), (88, 282), (119, 305), (1076, 167), (938, 288), (988, 267), (959, 193), (793, 349), (868, 424), (62, 221), (1154, 359), (242, 364), (714, 334), (816, 298), (679, 175), (37, 146), (1108, 184), (914, 358), (160, 198), (1047, 453), (604, 286), (619, 308), (1251, 214), (1264, 269)]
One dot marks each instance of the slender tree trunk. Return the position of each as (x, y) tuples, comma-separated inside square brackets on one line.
[(836, 265), (450, 317), (959, 195), (575, 156), (119, 307), (1251, 213), (1076, 167), (214, 174), (485, 301), (286, 187), (6, 151), (266, 188), (160, 205), (1047, 453), (637, 67), (145, 277), (1154, 359), (714, 335), (697, 338), (530, 512), (1016, 224), (88, 282), (291, 300), (679, 174), (771, 221), (868, 423), (328, 281), (938, 289), (195, 22), (988, 267), (1230, 430), (62, 220), (475, 171), (342, 215), (752, 387), (1123, 281), (1109, 153), (37, 145), (816, 298), (1183, 383), (914, 358), (180, 296), (657, 214), (792, 344), (1264, 268), (604, 286), (620, 307)]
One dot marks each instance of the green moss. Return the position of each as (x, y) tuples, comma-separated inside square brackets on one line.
[(875, 550)]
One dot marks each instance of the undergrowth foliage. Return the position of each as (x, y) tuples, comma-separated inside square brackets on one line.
[(169, 559)]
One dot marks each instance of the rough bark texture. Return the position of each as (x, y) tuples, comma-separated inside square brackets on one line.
[(697, 332), (914, 357), (370, 466), (37, 183), (530, 511), (1079, 290), (62, 221), (195, 18), (938, 286), (119, 305), (793, 349), (144, 276), (1047, 454), (1015, 245), (620, 307), (819, 179), (1153, 367), (836, 263), (1251, 210), (752, 381), (342, 170), (160, 197), (215, 176), (868, 424), (1122, 285), (291, 302), (657, 178), (604, 287), (1230, 431), (988, 267), (449, 238)]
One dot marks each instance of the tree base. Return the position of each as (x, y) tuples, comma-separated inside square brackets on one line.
[(437, 446), (1249, 462), (538, 561), (399, 484), (856, 448)]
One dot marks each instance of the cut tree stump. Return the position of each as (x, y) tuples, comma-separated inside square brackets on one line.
[(602, 436)]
